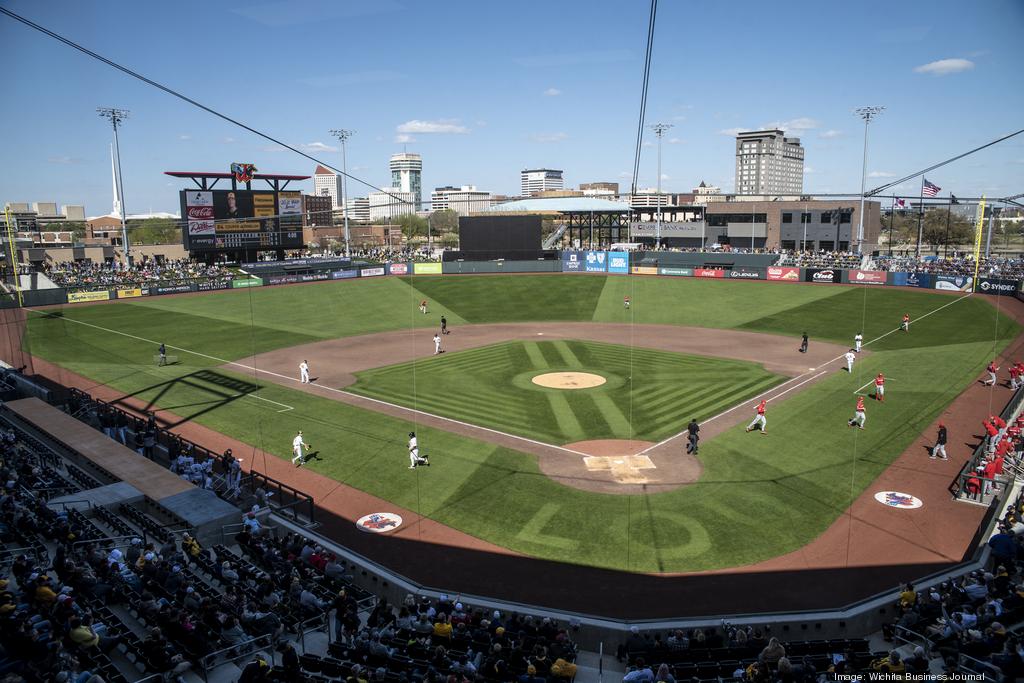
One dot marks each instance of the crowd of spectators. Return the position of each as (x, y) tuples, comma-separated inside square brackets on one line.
[(994, 266), (845, 260), (86, 274)]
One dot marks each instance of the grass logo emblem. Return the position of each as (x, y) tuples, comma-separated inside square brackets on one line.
[(895, 499), (379, 522)]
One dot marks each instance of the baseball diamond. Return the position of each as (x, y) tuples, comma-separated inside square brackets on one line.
[(504, 469)]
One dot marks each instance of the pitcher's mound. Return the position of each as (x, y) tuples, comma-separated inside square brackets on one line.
[(569, 380)]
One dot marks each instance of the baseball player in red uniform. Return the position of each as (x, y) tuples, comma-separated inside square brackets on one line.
[(992, 370), (1014, 374), (759, 419), (905, 325), (625, 302), (860, 415), (880, 387)]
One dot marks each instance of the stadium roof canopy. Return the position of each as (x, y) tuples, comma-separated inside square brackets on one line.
[(560, 205)]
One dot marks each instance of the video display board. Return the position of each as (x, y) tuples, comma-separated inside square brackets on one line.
[(241, 219)]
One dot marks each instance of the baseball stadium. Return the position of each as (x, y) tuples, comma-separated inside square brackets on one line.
[(767, 436)]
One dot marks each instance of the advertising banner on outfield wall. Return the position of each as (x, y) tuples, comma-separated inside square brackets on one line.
[(644, 270), (572, 261), (784, 274), (370, 272), (826, 275), (867, 277), (685, 272), (172, 289), (282, 279), (211, 285), (344, 274), (954, 283), (314, 277), (596, 262), (250, 282), (426, 268), (398, 269), (911, 280), (81, 297), (618, 262), (988, 285), (129, 293), (708, 272), (746, 273)]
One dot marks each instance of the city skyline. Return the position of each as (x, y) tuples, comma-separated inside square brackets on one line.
[(930, 70)]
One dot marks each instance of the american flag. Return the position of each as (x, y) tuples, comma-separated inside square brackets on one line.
[(929, 189)]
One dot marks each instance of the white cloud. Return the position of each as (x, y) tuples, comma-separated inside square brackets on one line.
[(552, 92), (549, 137), (648, 143), (881, 174), (809, 170), (830, 134), (676, 141), (666, 176), (625, 174), (797, 124), (184, 136), (229, 140), (317, 147), (404, 138), (273, 149), (944, 67), (732, 132), (439, 126)]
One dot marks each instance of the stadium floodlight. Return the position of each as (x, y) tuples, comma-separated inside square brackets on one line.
[(659, 130), (116, 118), (866, 113), (343, 134)]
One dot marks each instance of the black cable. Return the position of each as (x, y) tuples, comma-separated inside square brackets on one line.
[(643, 95), (175, 93), (881, 188)]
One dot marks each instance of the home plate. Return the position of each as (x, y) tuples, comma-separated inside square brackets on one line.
[(625, 469)]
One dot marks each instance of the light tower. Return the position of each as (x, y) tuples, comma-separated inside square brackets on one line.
[(116, 118), (866, 113), (344, 134), (659, 130)]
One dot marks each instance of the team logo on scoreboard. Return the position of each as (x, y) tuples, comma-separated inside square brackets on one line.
[(379, 522), (244, 172)]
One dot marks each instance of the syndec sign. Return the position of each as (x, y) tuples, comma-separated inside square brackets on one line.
[(993, 286)]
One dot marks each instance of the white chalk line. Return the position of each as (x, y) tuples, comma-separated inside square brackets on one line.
[(793, 379), (473, 426), (320, 386)]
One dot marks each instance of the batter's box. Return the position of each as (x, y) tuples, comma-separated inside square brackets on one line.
[(624, 468)]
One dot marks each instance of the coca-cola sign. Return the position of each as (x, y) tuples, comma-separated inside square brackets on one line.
[(200, 213)]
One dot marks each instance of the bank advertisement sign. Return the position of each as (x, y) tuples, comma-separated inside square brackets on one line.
[(685, 272), (572, 261), (618, 262), (912, 280), (426, 268), (596, 261), (954, 283), (867, 277)]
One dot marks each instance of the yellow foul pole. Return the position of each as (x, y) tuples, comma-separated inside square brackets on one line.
[(978, 230)]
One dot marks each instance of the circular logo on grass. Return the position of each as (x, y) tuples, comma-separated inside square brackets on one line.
[(379, 522), (895, 499)]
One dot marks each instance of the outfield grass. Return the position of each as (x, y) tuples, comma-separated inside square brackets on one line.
[(643, 397), (758, 496)]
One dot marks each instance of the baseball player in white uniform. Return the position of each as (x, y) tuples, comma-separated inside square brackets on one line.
[(414, 453), (437, 343), (297, 449), (858, 340), (304, 372), (849, 361)]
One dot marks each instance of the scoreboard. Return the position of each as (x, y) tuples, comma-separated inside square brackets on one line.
[(241, 219)]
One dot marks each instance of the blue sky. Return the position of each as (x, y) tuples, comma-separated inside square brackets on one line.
[(484, 89)]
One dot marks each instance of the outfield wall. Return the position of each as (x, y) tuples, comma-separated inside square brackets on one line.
[(719, 265)]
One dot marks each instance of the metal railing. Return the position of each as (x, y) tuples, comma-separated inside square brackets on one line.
[(65, 503), (233, 653)]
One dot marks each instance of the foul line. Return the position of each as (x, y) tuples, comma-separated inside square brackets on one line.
[(793, 379), (319, 386)]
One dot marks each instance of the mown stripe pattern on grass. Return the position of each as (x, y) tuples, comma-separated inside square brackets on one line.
[(649, 394)]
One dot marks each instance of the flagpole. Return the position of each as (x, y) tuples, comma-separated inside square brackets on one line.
[(949, 210), (892, 219), (920, 219)]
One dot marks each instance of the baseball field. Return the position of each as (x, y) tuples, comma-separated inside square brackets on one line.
[(513, 462)]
